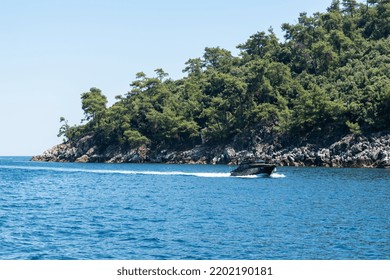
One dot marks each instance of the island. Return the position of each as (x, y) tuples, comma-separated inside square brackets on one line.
[(320, 97)]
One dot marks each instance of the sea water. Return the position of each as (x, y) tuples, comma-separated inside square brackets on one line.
[(156, 211)]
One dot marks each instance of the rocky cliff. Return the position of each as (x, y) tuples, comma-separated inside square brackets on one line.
[(350, 151)]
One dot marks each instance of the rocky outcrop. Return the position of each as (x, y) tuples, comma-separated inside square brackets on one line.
[(86, 150), (350, 151)]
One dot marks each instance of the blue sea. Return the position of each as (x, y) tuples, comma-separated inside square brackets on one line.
[(197, 212)]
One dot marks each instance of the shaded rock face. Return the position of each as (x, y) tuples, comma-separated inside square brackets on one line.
[(86, 150), (350, 151)]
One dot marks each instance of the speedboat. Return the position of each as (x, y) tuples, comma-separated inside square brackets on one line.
[(253, 168)]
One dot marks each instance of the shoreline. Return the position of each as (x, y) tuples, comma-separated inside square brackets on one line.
[(356, 151)]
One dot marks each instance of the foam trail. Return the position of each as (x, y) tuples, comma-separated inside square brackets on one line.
[(273, 175), (214, 175), (277, 175), (110, 171), (161, 173), (137, 172)]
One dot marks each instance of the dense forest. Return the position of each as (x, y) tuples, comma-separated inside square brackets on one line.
[(330, 76)]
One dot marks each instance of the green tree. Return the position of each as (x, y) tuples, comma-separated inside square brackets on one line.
[(329, 77), (94, 105), (349, 6), (260, 45)]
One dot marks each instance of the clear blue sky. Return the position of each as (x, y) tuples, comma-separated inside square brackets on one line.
[(51, 51)]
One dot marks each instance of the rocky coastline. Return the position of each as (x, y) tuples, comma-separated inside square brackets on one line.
[(368, 151)]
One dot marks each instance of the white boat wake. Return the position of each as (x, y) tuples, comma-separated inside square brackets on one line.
[(277, 175), (138, 172)]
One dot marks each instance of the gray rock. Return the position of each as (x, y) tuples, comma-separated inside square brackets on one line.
[(350, 151), (83, 158), (229, 154)]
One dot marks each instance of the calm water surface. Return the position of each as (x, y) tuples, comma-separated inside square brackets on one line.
[(151, 211)]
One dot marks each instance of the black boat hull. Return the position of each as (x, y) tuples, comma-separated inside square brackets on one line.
[(253, 169)]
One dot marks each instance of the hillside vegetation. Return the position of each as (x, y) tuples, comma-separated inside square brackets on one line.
[(329, 77)]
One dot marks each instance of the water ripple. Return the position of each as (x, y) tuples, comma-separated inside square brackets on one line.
[(106, 211)]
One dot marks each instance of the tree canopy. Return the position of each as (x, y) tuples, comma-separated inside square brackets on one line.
[(330, 75)]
